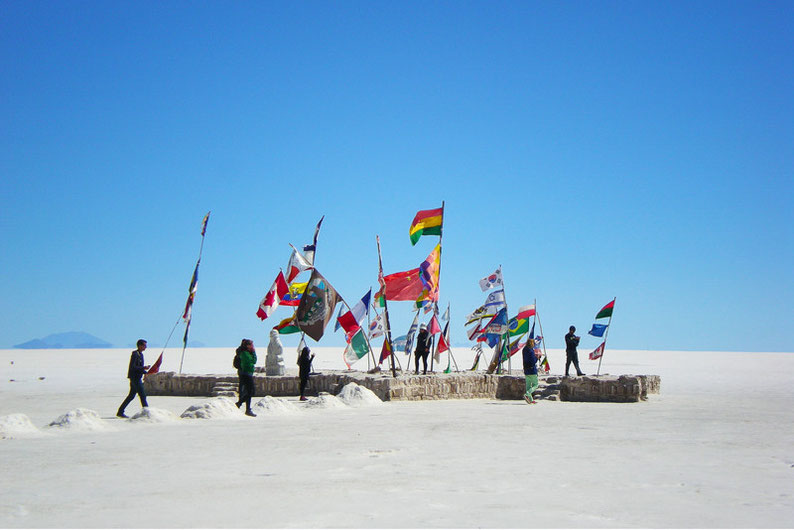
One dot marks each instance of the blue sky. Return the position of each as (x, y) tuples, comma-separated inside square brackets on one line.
[(594, 149)]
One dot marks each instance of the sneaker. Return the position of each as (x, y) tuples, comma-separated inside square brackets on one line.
[(249, 413), (304, 398), (528, 399), (533, 402), (121, 415)]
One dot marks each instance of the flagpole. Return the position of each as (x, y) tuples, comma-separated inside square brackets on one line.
[(449, 345), (606, 334), (314, 262), (198, 262), (540, 324), (415, 321), (385, 307), (500, 345), (433, 345), (365, 332)]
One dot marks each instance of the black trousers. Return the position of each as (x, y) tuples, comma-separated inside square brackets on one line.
[(246, 389), (304, 382), (422, 356), (136, 388), (572, 357)]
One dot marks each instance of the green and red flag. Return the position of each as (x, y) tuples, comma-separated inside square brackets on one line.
[(426, 223), (606, 311)]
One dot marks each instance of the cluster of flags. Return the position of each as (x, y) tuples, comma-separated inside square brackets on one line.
[(491, 325), (419, 285), (599, 330), (315, 299)]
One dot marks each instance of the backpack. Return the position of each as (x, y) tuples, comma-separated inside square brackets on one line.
[(236, 362)]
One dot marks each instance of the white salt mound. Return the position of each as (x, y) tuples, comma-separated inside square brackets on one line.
[(272, 405), (153, 415), (325, 401), (81, 420), (356, 395), (17, 426), (217, 408)]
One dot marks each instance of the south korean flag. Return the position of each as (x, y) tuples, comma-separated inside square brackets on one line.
[(492, 280)]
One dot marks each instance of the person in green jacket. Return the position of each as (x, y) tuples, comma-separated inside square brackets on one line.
[(245, 374)]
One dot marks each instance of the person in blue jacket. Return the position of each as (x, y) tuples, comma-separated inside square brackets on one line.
[(530, 370), (135, 374)]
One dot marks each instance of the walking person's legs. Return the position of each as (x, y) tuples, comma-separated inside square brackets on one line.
[(531, 386), (141, 391), (127, 400)]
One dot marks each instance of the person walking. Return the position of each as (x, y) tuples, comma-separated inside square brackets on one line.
[(422, 351), (245, 374), (135, 374), (530, 370), (571, 355), (304, 369)]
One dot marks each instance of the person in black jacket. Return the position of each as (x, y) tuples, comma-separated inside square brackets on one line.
[(421, 351), (304, 369), (571, 355), (530, 370), (135, 374)]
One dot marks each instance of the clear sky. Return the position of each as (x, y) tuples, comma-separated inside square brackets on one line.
[(638, 150)]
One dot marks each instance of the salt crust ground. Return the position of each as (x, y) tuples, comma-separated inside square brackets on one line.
[(715, 449)]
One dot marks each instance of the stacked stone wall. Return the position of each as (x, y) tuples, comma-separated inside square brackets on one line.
[(465, 385)]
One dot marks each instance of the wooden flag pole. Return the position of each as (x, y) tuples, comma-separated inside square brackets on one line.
[(385, 308), (606, 334)]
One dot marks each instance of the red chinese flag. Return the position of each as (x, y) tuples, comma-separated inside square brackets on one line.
[(405, 285)]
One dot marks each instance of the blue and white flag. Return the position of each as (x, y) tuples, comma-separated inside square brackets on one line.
[(409, 338), (495, 299), (598, 330)]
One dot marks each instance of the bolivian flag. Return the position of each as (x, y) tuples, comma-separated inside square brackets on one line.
[(426, 223)]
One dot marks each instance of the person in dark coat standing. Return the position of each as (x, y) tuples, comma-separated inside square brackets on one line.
[(135, 374), (304, 369), (530, 370), (422, 351), (571, 355), (245, 374)]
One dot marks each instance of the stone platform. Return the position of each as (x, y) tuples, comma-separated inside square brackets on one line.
[(461, 385)]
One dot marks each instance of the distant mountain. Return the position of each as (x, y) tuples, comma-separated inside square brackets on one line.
[(76, 340)]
